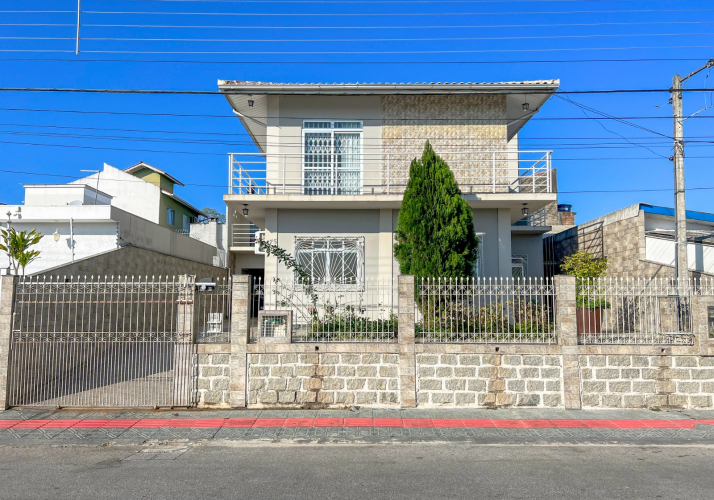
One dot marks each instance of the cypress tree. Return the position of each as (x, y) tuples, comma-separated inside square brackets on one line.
[(435, 231)]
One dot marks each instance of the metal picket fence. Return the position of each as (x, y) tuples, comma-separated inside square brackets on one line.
[(212, 312), (102, 342), (638, 311), (481, 310), (365, 312)]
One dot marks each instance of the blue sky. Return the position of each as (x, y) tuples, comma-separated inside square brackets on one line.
[(462, 37)]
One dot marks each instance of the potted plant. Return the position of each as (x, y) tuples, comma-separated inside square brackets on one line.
[(586, 270)]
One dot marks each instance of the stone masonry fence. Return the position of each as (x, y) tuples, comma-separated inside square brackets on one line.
[(595, 346)]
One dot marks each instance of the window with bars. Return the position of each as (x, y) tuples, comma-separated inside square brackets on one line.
[(332, 160), (337, 261)]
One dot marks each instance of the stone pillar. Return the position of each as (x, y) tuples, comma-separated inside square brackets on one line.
[(7, 302), (240, 331), (407, 352), (700, 323), (567, 329), (184, 321)]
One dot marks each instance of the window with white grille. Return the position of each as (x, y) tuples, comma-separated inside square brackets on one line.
[(331, 260), (332, 160)]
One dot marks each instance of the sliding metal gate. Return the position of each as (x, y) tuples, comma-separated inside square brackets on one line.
[(103, 342)]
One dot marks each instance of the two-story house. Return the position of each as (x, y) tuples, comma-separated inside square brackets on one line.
[(332, 162)]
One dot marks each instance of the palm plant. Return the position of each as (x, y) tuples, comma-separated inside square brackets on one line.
[(16, 244)]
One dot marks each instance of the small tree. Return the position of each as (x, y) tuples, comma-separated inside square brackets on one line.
[(585, 267), (435, 231), (212, 213), (17, 246)]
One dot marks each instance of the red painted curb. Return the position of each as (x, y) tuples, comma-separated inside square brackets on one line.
[(415, 423)]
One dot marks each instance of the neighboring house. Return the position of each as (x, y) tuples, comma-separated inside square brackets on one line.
[(333, 161), (89, 231), (153, 199), (638, 241)]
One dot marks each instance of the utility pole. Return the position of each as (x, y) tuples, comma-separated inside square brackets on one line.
[(681, 264)]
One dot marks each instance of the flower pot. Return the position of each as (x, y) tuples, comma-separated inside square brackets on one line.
[(589, 319)]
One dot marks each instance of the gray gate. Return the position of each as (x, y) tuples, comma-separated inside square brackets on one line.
[(103, 342)]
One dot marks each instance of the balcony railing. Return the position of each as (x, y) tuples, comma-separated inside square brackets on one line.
[(538, 218), (385, 173), (243, 235)]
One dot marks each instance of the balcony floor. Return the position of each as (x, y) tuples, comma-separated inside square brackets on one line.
[(259, 203)]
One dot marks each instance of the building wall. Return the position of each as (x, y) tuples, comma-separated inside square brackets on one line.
[(454, 123), (530, 245), (155, 178), (134, 261), (129, 193), (180, 210)]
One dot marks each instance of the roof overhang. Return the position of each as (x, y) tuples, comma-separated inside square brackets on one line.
[(253, 118), (142, 165)]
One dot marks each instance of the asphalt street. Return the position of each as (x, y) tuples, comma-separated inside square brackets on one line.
[(175, 470)]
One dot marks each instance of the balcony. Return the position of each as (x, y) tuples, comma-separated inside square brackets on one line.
[(243, 237), (385, 173)]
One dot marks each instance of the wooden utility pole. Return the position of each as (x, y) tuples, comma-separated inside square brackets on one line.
[(681, 265)]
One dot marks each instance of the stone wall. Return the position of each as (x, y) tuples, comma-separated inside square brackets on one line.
[(323, 380), (631, 381), (213, 380), (489, 380), (468, 123), (136, 261)]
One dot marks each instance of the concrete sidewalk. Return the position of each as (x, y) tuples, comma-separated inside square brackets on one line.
[(517, 426)]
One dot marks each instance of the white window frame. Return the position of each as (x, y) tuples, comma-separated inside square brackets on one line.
[(170, 217), (359, 244), (478, 265), (332, 130)]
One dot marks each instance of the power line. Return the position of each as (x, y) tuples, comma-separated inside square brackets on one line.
[(566, 61), (352, 40), (411, 27), (376, 14)]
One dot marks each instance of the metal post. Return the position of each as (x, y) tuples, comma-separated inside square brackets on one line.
[(389, 179), (494, 172), (7, 243), (79, 13), (284, 169)]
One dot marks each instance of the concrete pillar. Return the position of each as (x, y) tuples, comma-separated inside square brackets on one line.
[(407, 351), (184, 320), (504, 243), (240, 331), (7, 302), (567, 329)]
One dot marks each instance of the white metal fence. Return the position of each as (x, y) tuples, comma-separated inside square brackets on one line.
[(100, 341), (385, 172), (637, 311), (330, 313), (480, 310), (212, 312)]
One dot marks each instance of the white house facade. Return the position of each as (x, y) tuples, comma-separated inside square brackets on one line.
[(332, 162)]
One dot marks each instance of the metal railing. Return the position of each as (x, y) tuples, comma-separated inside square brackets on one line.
[(538, 218), (485, 310), (212, 312), (330, 313), (385, 173), (638, 311), (243, 235)]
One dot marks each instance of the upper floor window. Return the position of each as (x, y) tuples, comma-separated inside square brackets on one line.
[(332, 157), (331, 261), (170, 216), (186, 223)]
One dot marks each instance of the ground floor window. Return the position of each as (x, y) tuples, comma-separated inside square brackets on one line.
[(331, 260), (478, 265), (519, 266)]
